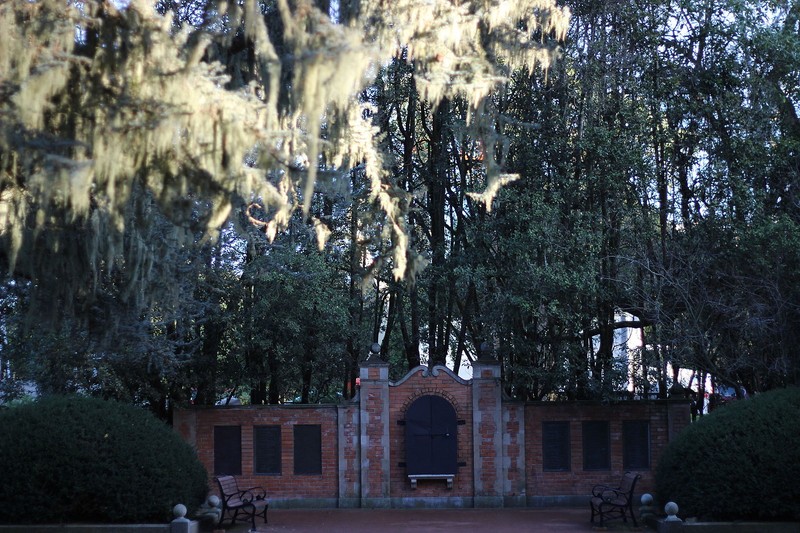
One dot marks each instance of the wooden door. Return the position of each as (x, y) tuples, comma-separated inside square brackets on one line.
[(431, 437)]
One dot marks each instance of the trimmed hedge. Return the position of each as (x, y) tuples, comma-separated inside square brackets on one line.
[(76, 459), (741, 462)]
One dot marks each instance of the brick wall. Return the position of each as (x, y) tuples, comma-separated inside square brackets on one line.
[(665, 418), (198, 425), (499, 444)]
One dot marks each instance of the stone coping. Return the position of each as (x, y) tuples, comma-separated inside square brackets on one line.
[(87, 528), (664, 526), (178, 526)]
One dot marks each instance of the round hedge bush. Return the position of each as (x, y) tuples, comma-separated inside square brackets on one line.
[(76, 459), (741, 462)]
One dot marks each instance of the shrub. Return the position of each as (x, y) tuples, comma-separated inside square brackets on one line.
[(741, 462), (76, 459)]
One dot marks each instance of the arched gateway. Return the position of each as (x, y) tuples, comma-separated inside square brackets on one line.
[(432, 439)]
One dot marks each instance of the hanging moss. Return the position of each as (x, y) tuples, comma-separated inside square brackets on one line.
[(100, 105)]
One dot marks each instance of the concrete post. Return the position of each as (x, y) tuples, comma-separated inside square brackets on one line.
[(181, 524), (671, 524)]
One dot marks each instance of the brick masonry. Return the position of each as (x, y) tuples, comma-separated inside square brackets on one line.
[(500, 452)]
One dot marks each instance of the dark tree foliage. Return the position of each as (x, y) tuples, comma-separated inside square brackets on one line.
[(76, 459), (709, 467), (649, 178)]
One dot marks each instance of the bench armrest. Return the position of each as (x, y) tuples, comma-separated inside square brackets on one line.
[(599, 490), (252, 493), (617, 497)]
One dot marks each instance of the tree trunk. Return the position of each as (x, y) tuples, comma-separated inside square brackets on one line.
[(437, 190)]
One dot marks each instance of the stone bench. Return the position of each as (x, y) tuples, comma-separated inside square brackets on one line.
[(447, 477)]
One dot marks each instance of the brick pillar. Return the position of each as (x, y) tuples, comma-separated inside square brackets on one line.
[(349, 438), (514, 475), (679, 416), (487, 436), (374, 418), (184, 421)]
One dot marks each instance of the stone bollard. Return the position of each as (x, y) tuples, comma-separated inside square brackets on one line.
[(181, 524), (671, 523), (211, 511), (646, 510), (672, 512)]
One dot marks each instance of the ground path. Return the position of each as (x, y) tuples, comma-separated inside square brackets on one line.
[(513, 520)]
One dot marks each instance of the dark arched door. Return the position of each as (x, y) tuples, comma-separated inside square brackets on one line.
[(431, 444)]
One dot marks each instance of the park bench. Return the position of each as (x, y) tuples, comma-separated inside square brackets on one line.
[(249, 503), (614, 502)]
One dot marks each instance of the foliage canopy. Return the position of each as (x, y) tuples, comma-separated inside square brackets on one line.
[(656, 206)]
